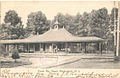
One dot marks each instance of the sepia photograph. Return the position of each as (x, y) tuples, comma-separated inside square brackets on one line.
[(60, 34)]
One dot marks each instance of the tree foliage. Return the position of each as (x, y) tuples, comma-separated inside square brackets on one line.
[(15, 54), (37, 23), (12, 28), (95, 23), (99, 22), (12, 17)]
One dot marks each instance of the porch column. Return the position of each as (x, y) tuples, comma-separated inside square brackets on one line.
[(28, 48), (40, 47), (85, 47), (100, 47), (23, 45), (52, 48), (8, 47), (56, 48), (17, 46), (34, 47), (5, 48), (66, 47), (97, 46)]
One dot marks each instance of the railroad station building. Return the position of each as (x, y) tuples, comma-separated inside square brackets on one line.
[(55, 40)]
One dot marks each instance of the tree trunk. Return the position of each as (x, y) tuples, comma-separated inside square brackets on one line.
[(15, 60)]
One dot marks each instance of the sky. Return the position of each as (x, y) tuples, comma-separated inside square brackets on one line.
[(51, 8)]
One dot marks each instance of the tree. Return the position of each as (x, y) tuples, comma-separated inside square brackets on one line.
[(12, 17), (37, 23), (15, 54), (10, 32), (61, 19), (66, 21), (12, 28), (70, 23), (99, 22), (83, 24), (77, 25)]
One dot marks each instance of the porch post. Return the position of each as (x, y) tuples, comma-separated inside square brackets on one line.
[(6, 47), (40, 47), (56, 48), (100, 47), (23, 47), (52, 48), (66, 47), (97, 46), (85, 47), (17, 46), (28, 48), (34, 47)]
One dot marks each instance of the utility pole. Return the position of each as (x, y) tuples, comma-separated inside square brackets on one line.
[(114, 28), (117, 51)]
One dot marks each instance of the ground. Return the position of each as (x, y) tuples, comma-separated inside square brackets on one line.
[(61, 60)]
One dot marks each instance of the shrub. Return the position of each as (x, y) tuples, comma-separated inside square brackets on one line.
[(15, 55)]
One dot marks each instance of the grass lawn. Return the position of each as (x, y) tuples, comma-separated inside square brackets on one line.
[(8, 62), (56, 60)]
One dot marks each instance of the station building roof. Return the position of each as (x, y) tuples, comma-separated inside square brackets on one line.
[(53, 36)]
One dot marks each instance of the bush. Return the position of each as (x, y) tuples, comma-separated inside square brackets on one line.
[(15, 55)]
